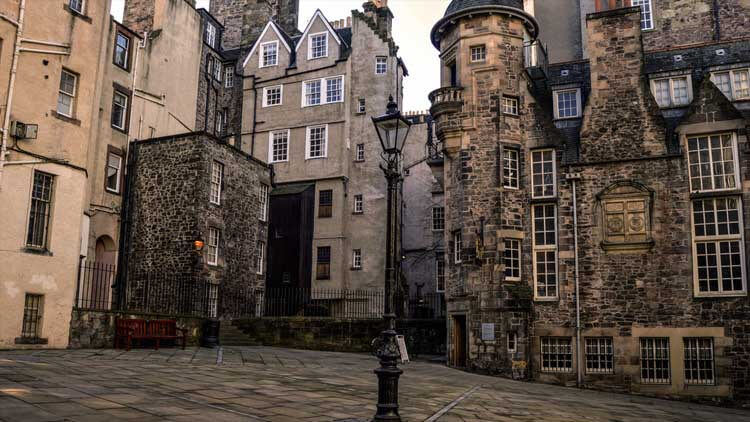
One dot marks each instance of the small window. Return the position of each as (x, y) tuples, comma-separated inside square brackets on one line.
[(567, 103), (119, 111), (317, 140), (512, 259), (361, 106), (323, 267), (269, 54), (647, 15), (478, 53), (438, 219), (210, 65), (544, 221), (439, 275), (213, 300), (312, 92), (77, 6), (213, 246), (712, 163), (264, 192), (67, 94), (228, 77), (672, 92), (220, 119), (359, 204), (40, 210), (557, 354), (512, 342), (510, 168), (599, 355), (655, 361), (457, 247), (260, 257), (114, 172), (735, 84), (381, 65), (318, 45), (325, 204), (334, 89), (273, 95), (122, 50), (543, 177), (510, 106), (210, 35), (357, 259), (32, 316), (217, 178), (217, 70), (279, 146), (360, 153), (699, 360)]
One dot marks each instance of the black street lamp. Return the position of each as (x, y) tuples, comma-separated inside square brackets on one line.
[(392, 129)]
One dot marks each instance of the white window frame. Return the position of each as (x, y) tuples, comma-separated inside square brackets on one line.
[(510, 106), (732, 77), (228, 77), (264, 193), (220, 119), (266, 91), (271, 145), (711, 163), (119, 35), (381, 65), (557, 92), (511, 164), (545, 249), (438, 262), (478, 53), (82, 5), (356, 259), (689, 80), (653, 347), (603, 348), (555, 344), (262, 52), (210, 35), (71, 95), (217, 178), (359, 204), (362, 106), (310, 45), (323, 91), (717, 239), (118, 171), (434, 220), (647, 13), (218, 67), (512, 335), (359, 152), (260, 255), (692, 347), (517, 242), (554, 174), (457, 245), (308, 131), (214, 234), (124, 117)]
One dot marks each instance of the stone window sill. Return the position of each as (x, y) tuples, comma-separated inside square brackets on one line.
[(67, 119), (36, 251), (715, 193), (732, 295), (628, 246), (356, 269), (77, 15), (30, 340)]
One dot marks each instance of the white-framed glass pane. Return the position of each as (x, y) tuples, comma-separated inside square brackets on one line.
[(723, 81), (478, 53), (357, 258), (264, 201), (316, 142), (457, 247), (360, 152), (510, 106), (557, 354), (699, 360), (661, 92), (114, 166), (655, 361), (280, 146), (260, 254), (67, 93), (76, 5), (381, 65), (217, 175), (334, 89), (680, 91), (119, 110), (510, 168), (210, 35), (228, 77), (647, 15), (512, 259), (741, 84), (318, 45), (711, 162), (312, 92), (213, 246), (273, 95), (439, 275), (122, 46), (599, 355), (438, 218), (543, 173), (270, 54), (567, 103)]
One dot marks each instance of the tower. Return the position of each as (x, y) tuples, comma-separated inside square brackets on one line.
[(244, 20)]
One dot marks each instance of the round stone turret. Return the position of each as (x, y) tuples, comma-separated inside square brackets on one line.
[(460, 8)]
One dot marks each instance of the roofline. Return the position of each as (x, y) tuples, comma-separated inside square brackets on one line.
[(329, 28), (271, 24), (489, 9)]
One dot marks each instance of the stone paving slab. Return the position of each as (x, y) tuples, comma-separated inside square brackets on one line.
[(282, 385)]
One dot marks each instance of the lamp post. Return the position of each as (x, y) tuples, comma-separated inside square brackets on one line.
[(392, 129)]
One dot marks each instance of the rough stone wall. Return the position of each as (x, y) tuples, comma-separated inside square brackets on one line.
[(139, 15), (96, 329), (244, 20)]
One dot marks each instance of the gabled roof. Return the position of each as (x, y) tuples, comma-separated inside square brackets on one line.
[(319, 14), (279, 33)]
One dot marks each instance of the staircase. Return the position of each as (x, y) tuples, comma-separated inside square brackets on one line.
[(231, 335)]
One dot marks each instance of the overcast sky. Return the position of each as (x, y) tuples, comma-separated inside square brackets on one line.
[(411, 30)]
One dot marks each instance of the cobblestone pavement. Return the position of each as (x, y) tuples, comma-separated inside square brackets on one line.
[(270, 384)]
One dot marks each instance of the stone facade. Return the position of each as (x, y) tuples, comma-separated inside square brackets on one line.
[(244, 19)]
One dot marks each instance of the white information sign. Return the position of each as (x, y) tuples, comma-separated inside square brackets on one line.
[(488, 331), (402, 349)]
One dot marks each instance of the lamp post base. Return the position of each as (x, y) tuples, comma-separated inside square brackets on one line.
[(388, 375)]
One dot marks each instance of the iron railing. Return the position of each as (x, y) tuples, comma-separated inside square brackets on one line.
[(95, 281), (535, 56)]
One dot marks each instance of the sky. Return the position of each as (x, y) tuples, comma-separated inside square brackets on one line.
[(413, 20)]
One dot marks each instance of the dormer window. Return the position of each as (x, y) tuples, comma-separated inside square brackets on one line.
[(318, 45), (735, 84), (567, 103), (269, 54), (672, 92), (210, 35)]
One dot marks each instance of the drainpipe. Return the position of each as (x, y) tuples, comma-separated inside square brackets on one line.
[(717, 23), (11, 87), (573, 178)]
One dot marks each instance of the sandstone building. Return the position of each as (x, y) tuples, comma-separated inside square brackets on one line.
[(595, 208)]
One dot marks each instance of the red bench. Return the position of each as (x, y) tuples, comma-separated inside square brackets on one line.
[(127, 330)]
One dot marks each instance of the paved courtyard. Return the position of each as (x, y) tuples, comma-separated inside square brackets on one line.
[(271, 384)]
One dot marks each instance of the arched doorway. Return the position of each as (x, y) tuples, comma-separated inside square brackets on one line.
[(103, 273)]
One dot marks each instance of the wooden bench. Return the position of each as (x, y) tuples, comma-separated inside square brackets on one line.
[(127, 330)]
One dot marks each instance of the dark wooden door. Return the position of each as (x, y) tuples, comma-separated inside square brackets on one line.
[(290, 234), (459, 342)]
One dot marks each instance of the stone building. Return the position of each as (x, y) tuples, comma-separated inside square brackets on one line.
[(595, 208)]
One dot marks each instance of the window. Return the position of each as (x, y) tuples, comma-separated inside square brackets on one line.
[(699, 360), (457, 247), (213, 300), (718, 251), (260, 256), (279, 146), (269, 54), (647, 16), (361, 106), (217, 70), (510, 106), (512, 259), (438, 218), (119, 110), (357, 259), (122, 50), (655, 360), (381, 65), (32, 316), (228, 77), (599, 355), (210, 64), (334, 89), (510, 168), (76, 6), (217, 178), (360, 153), (672, 92), (213, 246), (210, 35), (711, 161), (66, 97), (543, 169), (512, 342), (439, 275), (264, 191), (313, 91), (273, 95), (545, 250), (39, 213), (567, 103), (478, 53), (325, 204), (318, 45), (735, 84), (557, 354), (317, 142), (220, 122), (359, 204), (323, 267), (114, 172)]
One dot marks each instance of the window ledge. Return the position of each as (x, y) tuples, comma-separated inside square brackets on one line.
[(356, 269), (64, 118), (36, 251), (732, 295), (546, 299), (715, 193), (357, 212), (511, 115), (549, 200), (112, 192), (77, 14), (30, 340), (359, 161), (121, 130), (628, 246)]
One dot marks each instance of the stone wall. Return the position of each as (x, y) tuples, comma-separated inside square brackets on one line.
[(244, 20)]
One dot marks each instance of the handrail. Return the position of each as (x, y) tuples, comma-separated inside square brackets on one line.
[(446, 94)]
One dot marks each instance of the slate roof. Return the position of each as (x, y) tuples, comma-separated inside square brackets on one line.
[(459, 5)]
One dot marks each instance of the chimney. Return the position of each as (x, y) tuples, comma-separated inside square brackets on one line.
[(621, 118), (138, 15), (380, 3)]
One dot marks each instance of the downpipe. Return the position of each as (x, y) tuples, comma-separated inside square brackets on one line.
[(11, 87), (573, 178)]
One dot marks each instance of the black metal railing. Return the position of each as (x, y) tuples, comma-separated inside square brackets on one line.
[(95, 282), (323, 303), (535, 56)]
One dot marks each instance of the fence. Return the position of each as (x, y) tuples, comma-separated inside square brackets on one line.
[(95, 282)]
